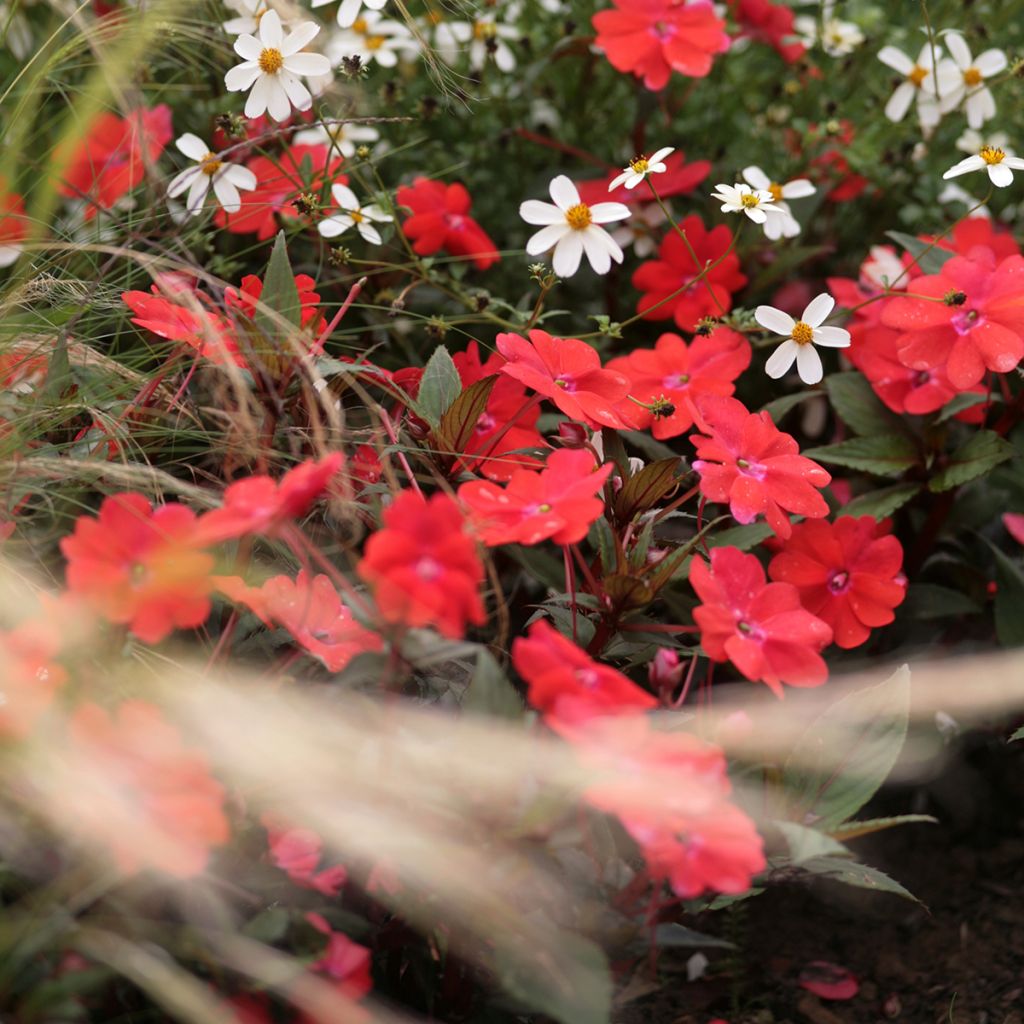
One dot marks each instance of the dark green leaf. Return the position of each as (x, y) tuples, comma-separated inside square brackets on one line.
[(651, 448), (856, 829), (645, 489), (1009, 599), (981, 452), (858, 406), (928, 256), (489, 691), (539, 565), (279, 310), (269, 925), (1018, 735), (934, 601), (677, 935), (778, 407), (607, 544), (439, 387), (958, 403), (460, 419), (806, 843), (615, 451), (860, 875), (882, 455), (883, 502)]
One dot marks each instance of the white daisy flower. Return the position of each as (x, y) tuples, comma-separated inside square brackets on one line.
[(345, 136), (962, 77), (785, 225), (249, 14), (643, 230), (371, 37), (974, 142), (572, 228), (640, 168), (883, 269), (482, 38), (837, 38), (995, 161), (801, 337), (353, 215), (209, 172), (348, 10), (272, 68), (919, 82), (756, 203)]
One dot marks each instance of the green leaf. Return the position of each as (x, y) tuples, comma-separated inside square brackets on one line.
[(269, 925), (539, 565), (930, 258), (627, 592), (615, 451), (651, 448), (778, 407), (883, 502), (805, 843), (934, 601), (673, 934), (982, 451), (280, 296), (882, 454), (645, 489), (742, 537), (458, 423), (439, 387), (607, 544), (567, 980), (856, 829), (847, 753), (958, 403), (860, 875), (1009, 599), (1018, 735), (858, 406), (489, 691)]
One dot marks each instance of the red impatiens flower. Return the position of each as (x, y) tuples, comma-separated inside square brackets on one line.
[(567, 371), (13, 224), (760, 627), (311, 610), (566, 685), (142, 568), (674, 267), (769, 23), (558, 503), (985, 331), (440, 220), (259, 504), (653, 38), (298, 853), (755, 467), (134, 786), (344, 961), (31, 674), (974, 231), (423, 566), (507, 425), (281, 180), (677, 179), (681, 375), (245, 300), (847, 574), (112, 158)]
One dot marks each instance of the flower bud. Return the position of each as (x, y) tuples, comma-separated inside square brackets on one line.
[(665, 672), (572, 435)]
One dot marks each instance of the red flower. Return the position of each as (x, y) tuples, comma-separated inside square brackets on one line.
[(345, 961), (259, 504), (365, 465), (677, 179), (136, 787), (141, 567), (660, 278), (423, 566), (32, 676), (558, 503), (209, 333), (755, 467), (244, 300), (769, 23), (507, 425), (760, 627), (13, 224), (566, 685), (112, 158), (682, 375), (440, 220), (975, 231), (298, 852), (653, 38), (568, 371), (847, 574), (281, 180), (984, 331), (311, 611)]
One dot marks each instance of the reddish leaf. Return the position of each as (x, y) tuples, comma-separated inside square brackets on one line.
[(828, 981)]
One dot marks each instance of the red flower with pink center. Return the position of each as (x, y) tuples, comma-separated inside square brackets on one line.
[(675, 267), (567, 371), (653, 38), (423, 566), (141, 567), (680, 375), (559, 503), (846, 573), (974, 231), (677, 179), (769, 23), (259, 504), (985, 331), (112, 158), (245, 300), (507, 425), (760, 627), (566, 685), (344, 961), (757, 469), (440, 220)]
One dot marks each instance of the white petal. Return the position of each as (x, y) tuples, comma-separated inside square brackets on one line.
[(808, 364), (660, 155), (302, 36), (330, 227), (616, 182), (226, 193), (568, 253), (369, 232), (1016, 162), (817, 309), (899, 102), (605, 213), (781, 359), (991, 62), (271, 33), (546, 238), (564, 194), (798, 188), (772, 319), (240, 177), (180, 182), (896, 59), (958, 50), (533, 211), (374, 212), (971, 163), (256, 104), (928, 55), (278, 105), (242, 77), (348, 12), (197, 193), (981, 107), (297, 94), (832, 337), (345, 197), (598, 255), (248, 47), (756, 214), (755, 177), (309, 64), (1000, 175), (192, 146)]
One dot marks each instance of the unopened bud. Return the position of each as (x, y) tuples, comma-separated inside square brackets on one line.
[(572, 435), (665, 672)]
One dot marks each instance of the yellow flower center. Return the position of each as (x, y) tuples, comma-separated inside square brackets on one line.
[(485, 30), (271, 61), (578, 216), (210, 165), (356, 216), (748, 199), (992, 155), (776, 191), (972, 77), (545, 508), (359, 25), (917, 75), (375, 42), (802, 334), (639, 165)]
